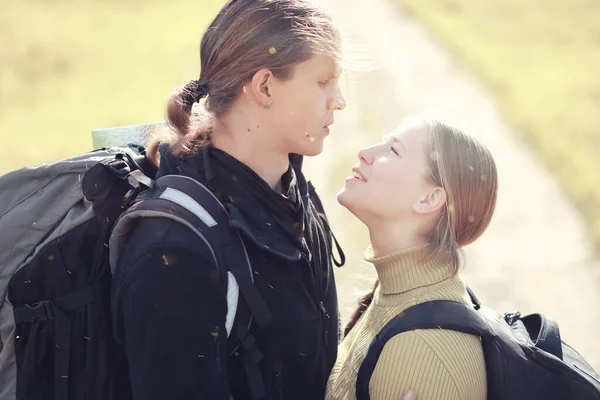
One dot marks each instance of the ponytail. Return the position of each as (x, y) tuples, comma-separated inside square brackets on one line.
[(183, 138), (363, 304)]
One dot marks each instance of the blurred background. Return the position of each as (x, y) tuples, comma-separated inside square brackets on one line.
[(521, 76)]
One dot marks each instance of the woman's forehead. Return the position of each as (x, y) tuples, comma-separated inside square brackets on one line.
[(406, 129)]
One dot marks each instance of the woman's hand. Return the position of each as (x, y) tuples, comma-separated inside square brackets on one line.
[(410, 395)]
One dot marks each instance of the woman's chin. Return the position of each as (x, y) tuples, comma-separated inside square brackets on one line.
[(342, 197), (345, 199)]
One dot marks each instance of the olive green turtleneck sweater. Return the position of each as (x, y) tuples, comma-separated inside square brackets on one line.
[(437, 364)]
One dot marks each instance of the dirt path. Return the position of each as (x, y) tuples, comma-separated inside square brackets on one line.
[(535, 255)]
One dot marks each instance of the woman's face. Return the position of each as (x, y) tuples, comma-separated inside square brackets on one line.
[(303, 106), (389, 180)]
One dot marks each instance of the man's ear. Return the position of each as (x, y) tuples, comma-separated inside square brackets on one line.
[(430, 202), (261, 87)]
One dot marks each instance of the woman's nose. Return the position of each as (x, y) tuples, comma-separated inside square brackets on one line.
[(365, 156)]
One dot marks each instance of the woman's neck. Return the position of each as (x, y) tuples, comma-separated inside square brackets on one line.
[(387, 239)]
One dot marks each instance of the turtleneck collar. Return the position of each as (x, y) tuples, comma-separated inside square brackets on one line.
[(408, 269)]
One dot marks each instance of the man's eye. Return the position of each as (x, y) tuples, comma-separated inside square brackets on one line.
[(393, 149), (324, 83)]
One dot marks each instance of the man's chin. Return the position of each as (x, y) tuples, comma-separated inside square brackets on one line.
[(313, 149)]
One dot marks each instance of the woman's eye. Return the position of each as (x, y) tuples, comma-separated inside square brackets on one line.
[(393, 150), (324, 83)]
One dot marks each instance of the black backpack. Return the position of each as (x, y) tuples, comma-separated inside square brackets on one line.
[(56, 222), (524, 355)]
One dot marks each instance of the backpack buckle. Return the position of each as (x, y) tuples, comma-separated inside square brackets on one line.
[(47, 311), (119, 166), (511, 318), (41, 311)]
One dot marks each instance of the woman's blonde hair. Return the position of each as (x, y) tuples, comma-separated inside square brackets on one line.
[(244, 37), (466, 170)]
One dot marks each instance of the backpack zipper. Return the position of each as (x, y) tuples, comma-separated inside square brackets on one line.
[(279, 385), (324, 310), (216, 335)]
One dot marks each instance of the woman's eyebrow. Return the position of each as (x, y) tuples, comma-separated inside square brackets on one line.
[(396, 139)]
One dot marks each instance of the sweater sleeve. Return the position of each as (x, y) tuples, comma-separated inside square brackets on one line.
[(437, 364), (169, 310)]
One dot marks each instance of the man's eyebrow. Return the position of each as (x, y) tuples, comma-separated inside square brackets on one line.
[(336, 74)]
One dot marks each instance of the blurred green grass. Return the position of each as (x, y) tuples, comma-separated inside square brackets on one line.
[(542, 59), (69, 66)]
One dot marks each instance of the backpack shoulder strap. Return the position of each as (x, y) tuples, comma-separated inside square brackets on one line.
[(439, 314), (187, 201)]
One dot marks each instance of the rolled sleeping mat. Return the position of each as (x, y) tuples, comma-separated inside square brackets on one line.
[(123, 136)]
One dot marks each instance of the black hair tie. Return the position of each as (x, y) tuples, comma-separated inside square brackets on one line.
[(194, 91)]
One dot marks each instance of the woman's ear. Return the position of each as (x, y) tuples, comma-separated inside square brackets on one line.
[(260, 87), (430, 202)]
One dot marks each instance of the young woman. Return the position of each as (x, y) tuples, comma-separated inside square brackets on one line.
[(269, 72), (424, 193)]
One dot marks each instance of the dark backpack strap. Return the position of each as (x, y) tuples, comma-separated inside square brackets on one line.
[(199, 207), (474, 299), (314, 198), (231, 252), (57, 310), (544, 332), (252, 356), (439, 314), (128, 168), (226, 243)]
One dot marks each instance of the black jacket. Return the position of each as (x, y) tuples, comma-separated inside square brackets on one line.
[(168, 299)]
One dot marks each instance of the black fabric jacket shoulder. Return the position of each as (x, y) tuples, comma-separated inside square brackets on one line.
[(169, 306)]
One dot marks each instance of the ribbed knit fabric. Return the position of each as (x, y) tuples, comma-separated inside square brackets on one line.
[(437, 364)]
